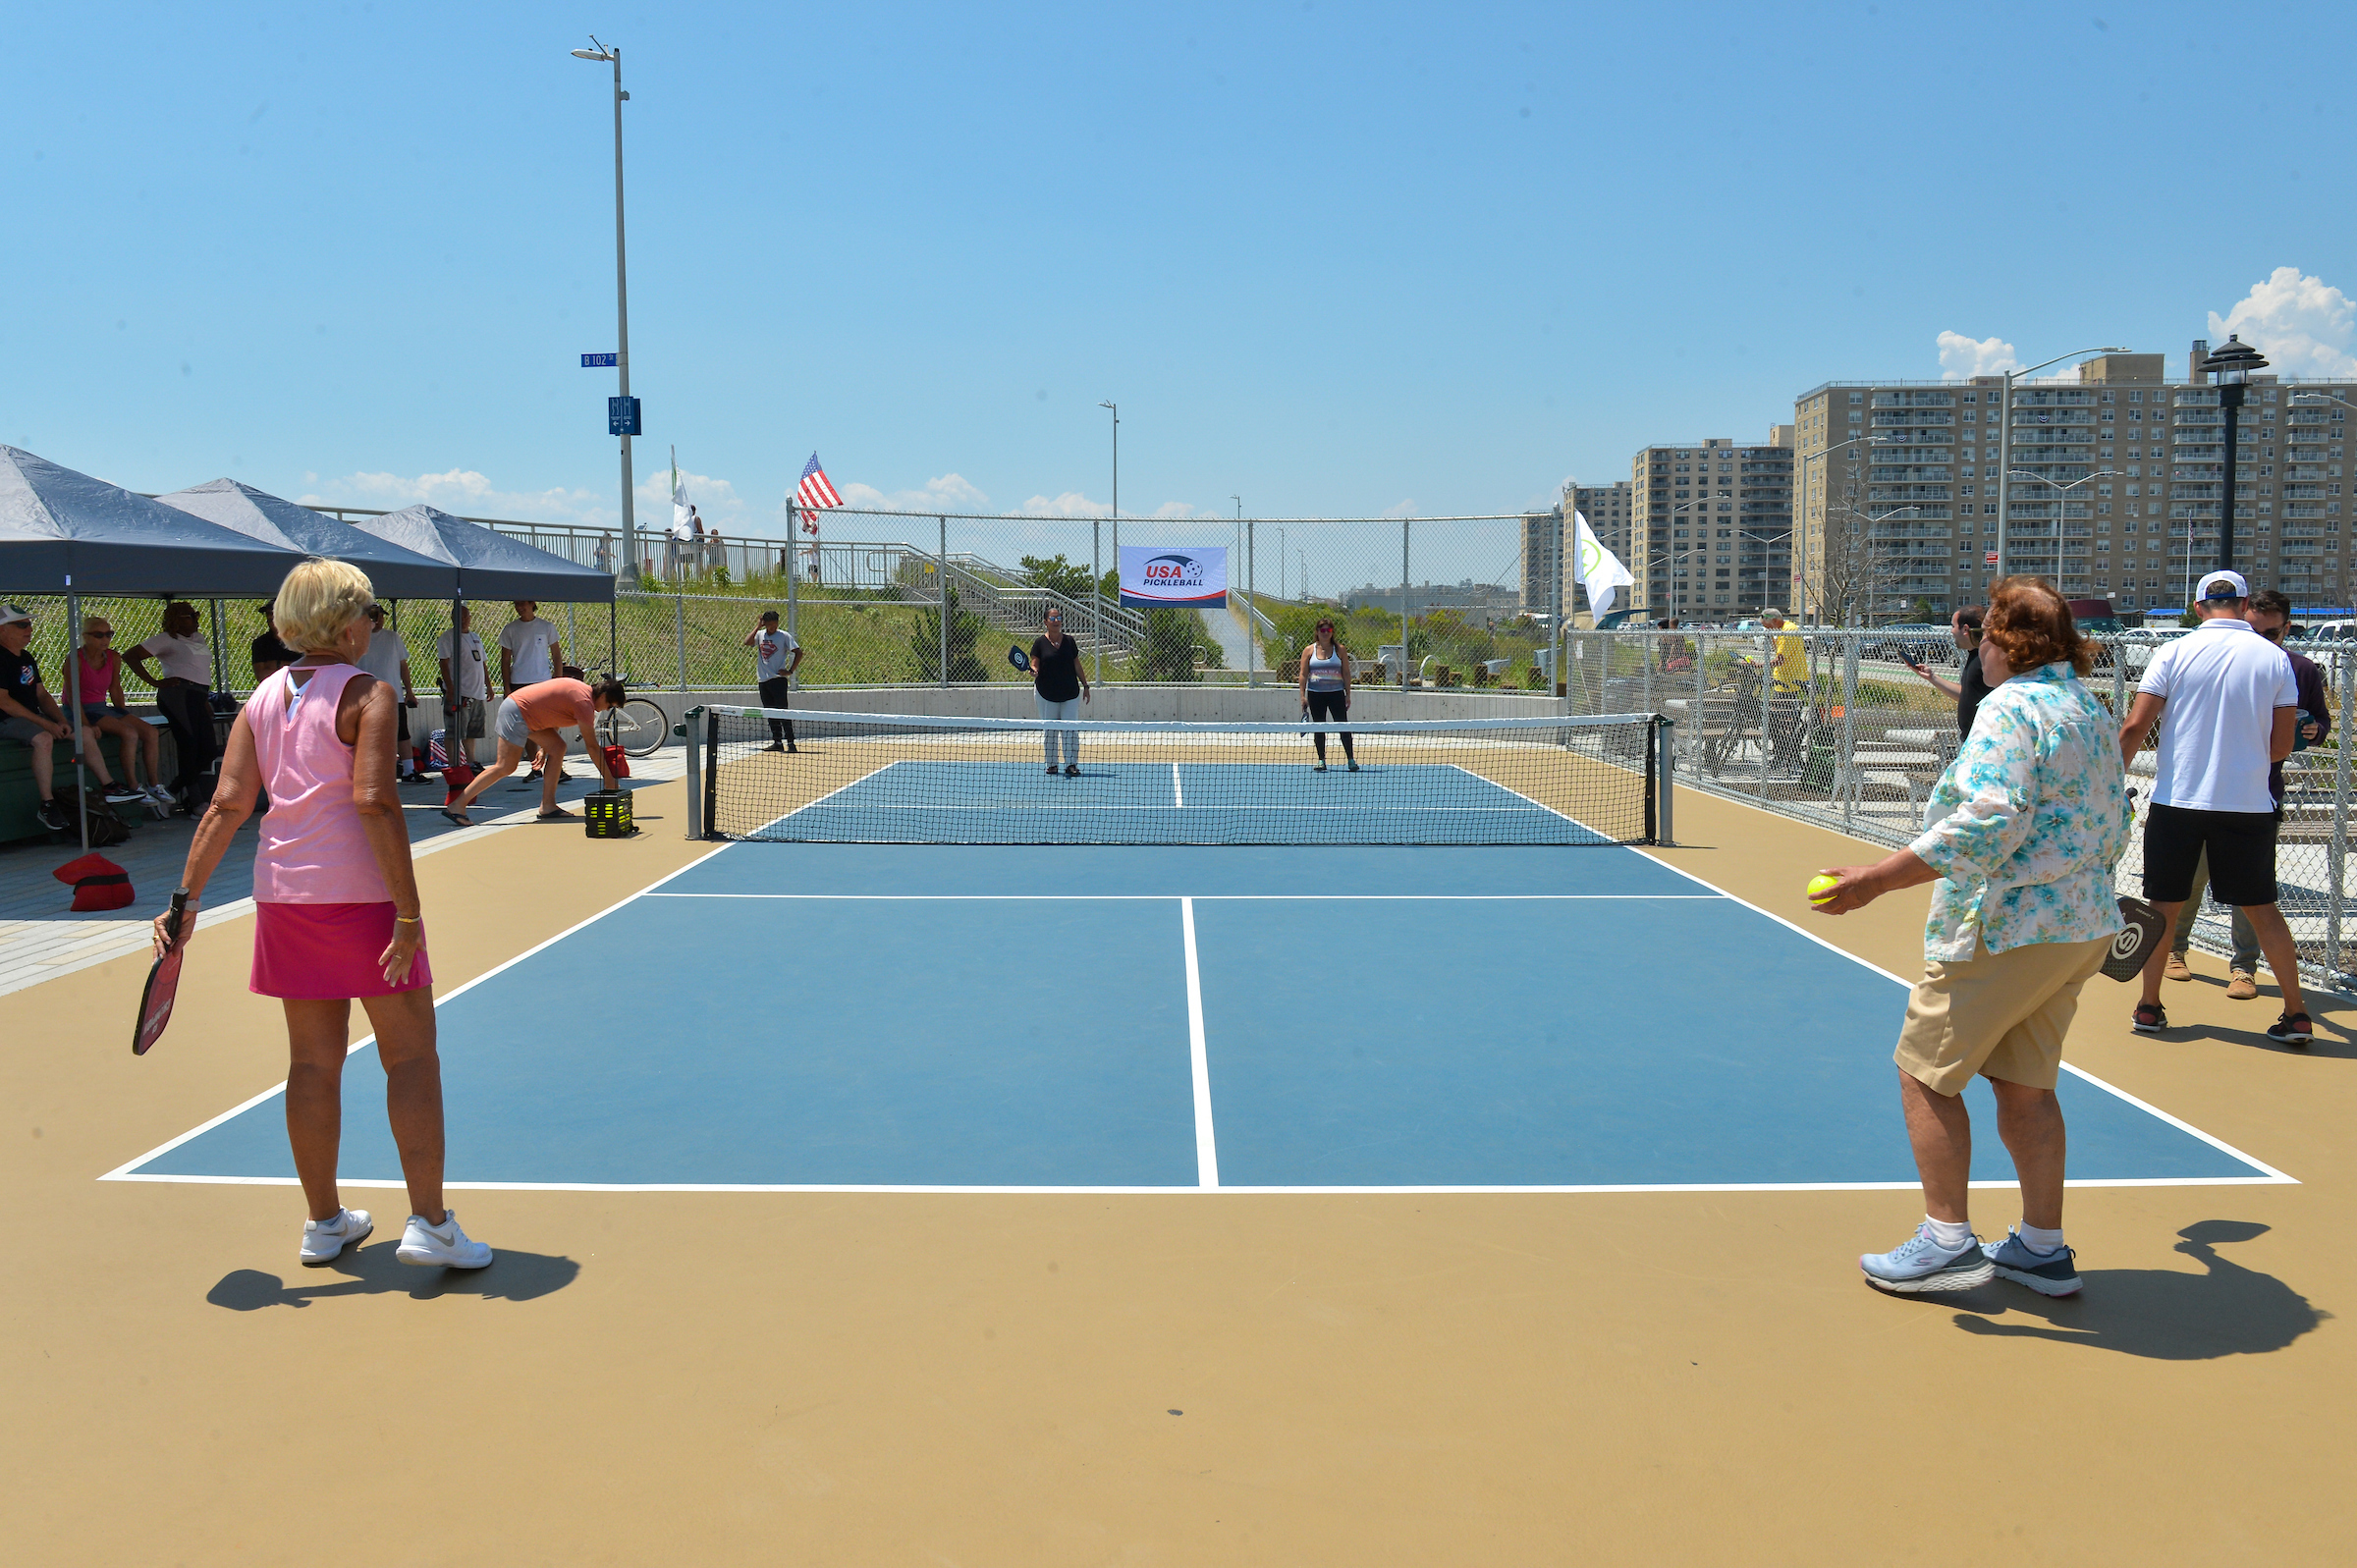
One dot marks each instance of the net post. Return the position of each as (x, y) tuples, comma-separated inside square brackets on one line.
[(2346, 666), (692, 744), (1660, 770), (945, 600), (711, 824)]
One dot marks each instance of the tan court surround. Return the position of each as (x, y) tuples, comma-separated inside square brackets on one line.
[(1604, 1379)]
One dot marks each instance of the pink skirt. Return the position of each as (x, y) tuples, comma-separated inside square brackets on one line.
[(327, 951)]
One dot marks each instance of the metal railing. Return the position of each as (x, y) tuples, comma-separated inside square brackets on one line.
[(1857, 743)]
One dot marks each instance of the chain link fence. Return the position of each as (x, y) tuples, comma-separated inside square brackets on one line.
[(1849, 738)]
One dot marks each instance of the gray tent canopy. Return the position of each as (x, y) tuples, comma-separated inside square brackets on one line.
[(393, 572), (61, 530), (491, 566)]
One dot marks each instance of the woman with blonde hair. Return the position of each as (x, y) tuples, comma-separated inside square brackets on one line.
[(336, 910)]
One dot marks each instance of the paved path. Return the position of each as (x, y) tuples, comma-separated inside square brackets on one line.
[(40, 937)]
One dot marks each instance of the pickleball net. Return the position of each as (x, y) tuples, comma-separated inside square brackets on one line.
[(852, 778)]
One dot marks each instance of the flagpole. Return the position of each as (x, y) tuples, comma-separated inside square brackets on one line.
[(794, 545)]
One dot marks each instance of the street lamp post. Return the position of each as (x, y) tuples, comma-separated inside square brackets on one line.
[(2233, 363), (1099, 587), (622, 310), (2057, 484), (2005, 441), (1800, 527)]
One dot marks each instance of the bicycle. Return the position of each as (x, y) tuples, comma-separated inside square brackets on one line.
[(639, 726)]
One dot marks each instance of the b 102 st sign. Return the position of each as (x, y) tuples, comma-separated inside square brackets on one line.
[(1160, 577)]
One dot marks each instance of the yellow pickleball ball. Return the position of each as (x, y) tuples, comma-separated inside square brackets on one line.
[(1821, 886)]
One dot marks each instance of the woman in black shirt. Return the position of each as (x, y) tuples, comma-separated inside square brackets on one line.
[(1061, 685)]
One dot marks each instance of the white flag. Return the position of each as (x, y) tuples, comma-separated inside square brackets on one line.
[(1599, 569), (681, 526)]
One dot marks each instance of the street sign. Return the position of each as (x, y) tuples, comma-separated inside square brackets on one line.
[(622, 418), (1993, 558), (598, 361)]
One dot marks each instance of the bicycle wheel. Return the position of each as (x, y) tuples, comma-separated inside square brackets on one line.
[(638, 727)]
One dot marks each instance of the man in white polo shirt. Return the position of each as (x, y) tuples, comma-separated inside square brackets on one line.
[(2227, 702)]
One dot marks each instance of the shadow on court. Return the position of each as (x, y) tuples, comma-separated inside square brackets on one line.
[(2161, 1313), (375, 1271)]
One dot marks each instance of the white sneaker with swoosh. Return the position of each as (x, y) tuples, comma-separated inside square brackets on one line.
[(326, 1240), (442, 1246)]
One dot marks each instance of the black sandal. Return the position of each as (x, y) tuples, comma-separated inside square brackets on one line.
[(2292, 1029), (2150, 1019)]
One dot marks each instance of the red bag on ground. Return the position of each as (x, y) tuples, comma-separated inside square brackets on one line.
[(458, 776), (97, 883), (619, 760)]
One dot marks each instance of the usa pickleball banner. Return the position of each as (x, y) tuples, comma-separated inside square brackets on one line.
[(1161, 576)]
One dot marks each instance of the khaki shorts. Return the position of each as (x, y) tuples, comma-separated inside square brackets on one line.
[(2001, 1015)]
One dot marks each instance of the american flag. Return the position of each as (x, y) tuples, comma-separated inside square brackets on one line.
[(814, 493)]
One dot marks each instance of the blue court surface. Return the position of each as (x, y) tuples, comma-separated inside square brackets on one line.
[(1299, 1018), (977, 801)]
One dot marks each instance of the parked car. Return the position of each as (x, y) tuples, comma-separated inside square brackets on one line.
[(1912, 642)]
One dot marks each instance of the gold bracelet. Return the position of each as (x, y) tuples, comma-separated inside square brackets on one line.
[(409, 920)]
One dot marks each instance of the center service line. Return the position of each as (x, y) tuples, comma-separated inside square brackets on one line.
[(1177, 794), (1207, 1148)]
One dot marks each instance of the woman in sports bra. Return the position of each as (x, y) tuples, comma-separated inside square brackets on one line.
[(1326, 690)]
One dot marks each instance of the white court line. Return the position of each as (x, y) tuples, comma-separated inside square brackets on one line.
[(1207, 1148), (1603, 839), (1177, 791), (2272, 1174), (123, 1172), (389, 1184), (1243, 897)]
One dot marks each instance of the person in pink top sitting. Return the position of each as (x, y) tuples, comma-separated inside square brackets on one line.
[(335, 908), (537, 714)]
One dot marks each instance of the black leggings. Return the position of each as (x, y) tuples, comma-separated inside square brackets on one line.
[(188, 709), (1330, 707)]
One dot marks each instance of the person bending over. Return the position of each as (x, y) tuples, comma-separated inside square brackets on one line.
[(537, 716)]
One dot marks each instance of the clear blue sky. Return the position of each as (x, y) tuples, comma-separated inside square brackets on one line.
[(1337, 259)]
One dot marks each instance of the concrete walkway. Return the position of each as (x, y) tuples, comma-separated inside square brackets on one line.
[(41, 937)]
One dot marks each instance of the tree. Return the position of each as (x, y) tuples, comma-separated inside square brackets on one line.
[(1068, 577), (1169, 653), (965, 627)]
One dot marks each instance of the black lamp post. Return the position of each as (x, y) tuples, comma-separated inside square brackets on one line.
[(2233, 366)]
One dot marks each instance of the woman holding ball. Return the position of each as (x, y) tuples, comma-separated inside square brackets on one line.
[(2025, 827)]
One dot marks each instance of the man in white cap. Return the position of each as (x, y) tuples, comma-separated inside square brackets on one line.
[(2232, 702)]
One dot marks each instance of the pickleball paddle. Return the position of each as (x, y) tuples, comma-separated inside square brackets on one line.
[(163, 977), (1019, 659), (2134, 944)]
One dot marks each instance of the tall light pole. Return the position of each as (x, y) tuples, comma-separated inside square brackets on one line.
[(622, 310), (2233, 363), (2005, 441), (1117, 481), (2062, 520), (1800, 528)]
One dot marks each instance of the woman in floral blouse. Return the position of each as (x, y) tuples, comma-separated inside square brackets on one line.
[(2025, 827)]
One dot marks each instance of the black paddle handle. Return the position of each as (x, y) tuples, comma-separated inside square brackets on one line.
[(172, 919)]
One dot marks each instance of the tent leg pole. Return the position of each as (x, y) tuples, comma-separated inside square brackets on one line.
[(73, 689)]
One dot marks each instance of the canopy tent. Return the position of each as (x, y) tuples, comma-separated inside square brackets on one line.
[(491, 566), (62, 531), (393, 572)]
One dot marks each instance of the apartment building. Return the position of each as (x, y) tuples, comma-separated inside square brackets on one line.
[(1710, 528), (1607, 508), (2119, 475)]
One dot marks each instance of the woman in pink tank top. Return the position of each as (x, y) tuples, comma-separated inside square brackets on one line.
[(336, 908)]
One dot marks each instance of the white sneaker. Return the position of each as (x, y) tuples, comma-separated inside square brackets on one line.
[(442, 1246), (160, 795), (324, 1240)]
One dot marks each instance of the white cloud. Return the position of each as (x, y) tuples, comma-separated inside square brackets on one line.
[(2302, 324), (1072, 504), (951, 492), (1174, 508), (470, 494), (1962, 357), (1404, 508)]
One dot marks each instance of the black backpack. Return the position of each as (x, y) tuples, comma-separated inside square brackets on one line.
[(106, 829)]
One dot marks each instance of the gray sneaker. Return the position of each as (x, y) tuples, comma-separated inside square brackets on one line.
[(2049, 1274), (1922, 1264)]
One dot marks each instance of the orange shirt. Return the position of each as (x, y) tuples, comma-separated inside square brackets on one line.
[(555, 704)]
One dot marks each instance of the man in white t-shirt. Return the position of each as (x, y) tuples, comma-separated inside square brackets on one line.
[(529, 654), (465, 686), (2227, 702), (388, 659), (776, 656)]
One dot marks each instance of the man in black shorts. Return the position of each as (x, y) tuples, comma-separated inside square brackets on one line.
[(2232, 702)]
